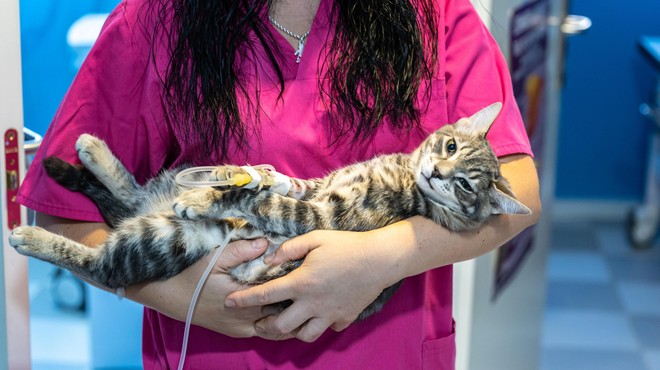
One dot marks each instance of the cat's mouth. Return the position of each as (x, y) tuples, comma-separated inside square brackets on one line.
[(427, 187)]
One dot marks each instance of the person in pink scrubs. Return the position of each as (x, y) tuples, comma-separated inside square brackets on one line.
[(307, 86)]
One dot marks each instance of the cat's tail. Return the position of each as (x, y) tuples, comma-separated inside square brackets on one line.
[(70, 176), (80, 179)]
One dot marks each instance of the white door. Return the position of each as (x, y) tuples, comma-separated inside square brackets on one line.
[(14, 302)]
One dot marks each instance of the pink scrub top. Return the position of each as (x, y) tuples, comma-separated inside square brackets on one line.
[(116, 96)]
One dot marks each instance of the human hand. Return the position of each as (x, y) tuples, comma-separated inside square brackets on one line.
[(342, 274), (172, 297)]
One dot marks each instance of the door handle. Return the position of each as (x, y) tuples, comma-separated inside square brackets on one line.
[(575, 24), (13, 177)]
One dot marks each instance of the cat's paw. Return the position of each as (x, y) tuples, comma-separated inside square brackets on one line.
[(249, 272), (30, 240), (91, 150), (195, 204), (224, 173), (257, 272)]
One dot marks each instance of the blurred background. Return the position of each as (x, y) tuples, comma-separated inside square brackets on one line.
[(581, 290)]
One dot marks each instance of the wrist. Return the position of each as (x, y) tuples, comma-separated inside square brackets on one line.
[(406, 245), (163, 296), (391, 253), (137, 293)]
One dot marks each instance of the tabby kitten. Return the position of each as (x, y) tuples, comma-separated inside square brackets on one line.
[(161, 228)]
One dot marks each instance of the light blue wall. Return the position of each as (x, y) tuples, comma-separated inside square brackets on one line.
[(115, 331), (46, 59), (48, 70), (602, 148)]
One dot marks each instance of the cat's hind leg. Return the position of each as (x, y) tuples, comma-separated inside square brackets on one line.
[(97, 157), (80, 179)]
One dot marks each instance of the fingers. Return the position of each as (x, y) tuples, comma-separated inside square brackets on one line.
[(312, 330), (238, 252), (286, 322), (288, 326), (261, 331), (271, 326), (274, 291), (272, 309), (339, 326), (294, 249)]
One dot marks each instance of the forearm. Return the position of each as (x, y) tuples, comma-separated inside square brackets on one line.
[(93, 234), (90, 234), (172, 296), (423, 245)]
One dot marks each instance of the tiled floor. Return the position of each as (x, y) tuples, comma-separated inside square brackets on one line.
[(602, 310), (59, 339), (603, 301)]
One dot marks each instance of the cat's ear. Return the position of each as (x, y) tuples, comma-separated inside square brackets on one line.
[(479, 123), (504, 203)]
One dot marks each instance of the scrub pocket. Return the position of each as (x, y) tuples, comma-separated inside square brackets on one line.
[(439, 354)]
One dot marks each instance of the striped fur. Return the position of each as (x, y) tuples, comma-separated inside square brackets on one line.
[(161, 228)]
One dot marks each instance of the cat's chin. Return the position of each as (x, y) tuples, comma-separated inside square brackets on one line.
[(434, 197), (425, 186)]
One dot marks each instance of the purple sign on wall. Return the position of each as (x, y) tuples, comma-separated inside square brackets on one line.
[(527, 62)]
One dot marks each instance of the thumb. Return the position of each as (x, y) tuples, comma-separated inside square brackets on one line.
[(241, 251), (293, 249)]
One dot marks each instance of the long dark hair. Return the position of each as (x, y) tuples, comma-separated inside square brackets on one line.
[(375, 67)]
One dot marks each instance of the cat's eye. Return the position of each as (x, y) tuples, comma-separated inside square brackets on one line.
[(451, 147), (465, 185)]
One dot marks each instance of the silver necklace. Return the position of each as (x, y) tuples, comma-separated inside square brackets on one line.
[(301, 38)]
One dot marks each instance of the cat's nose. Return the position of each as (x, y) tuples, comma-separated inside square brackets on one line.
[(442, 172)]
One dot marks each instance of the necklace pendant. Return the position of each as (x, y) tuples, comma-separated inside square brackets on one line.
[(298, 53), (300, 38)]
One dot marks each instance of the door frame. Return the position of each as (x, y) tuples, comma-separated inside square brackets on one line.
[(14, 296)]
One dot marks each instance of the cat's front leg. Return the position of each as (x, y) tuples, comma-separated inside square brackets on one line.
[(39, 243), (294, 187), (227, 173), (198, 204), (32, 241)]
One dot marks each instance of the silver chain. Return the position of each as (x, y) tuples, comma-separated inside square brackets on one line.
[(285, 30), (300, 38)]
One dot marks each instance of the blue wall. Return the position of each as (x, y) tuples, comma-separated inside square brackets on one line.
[(602, 149), (47, 61)]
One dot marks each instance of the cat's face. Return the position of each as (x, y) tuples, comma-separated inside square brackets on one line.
[(457, 169)]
